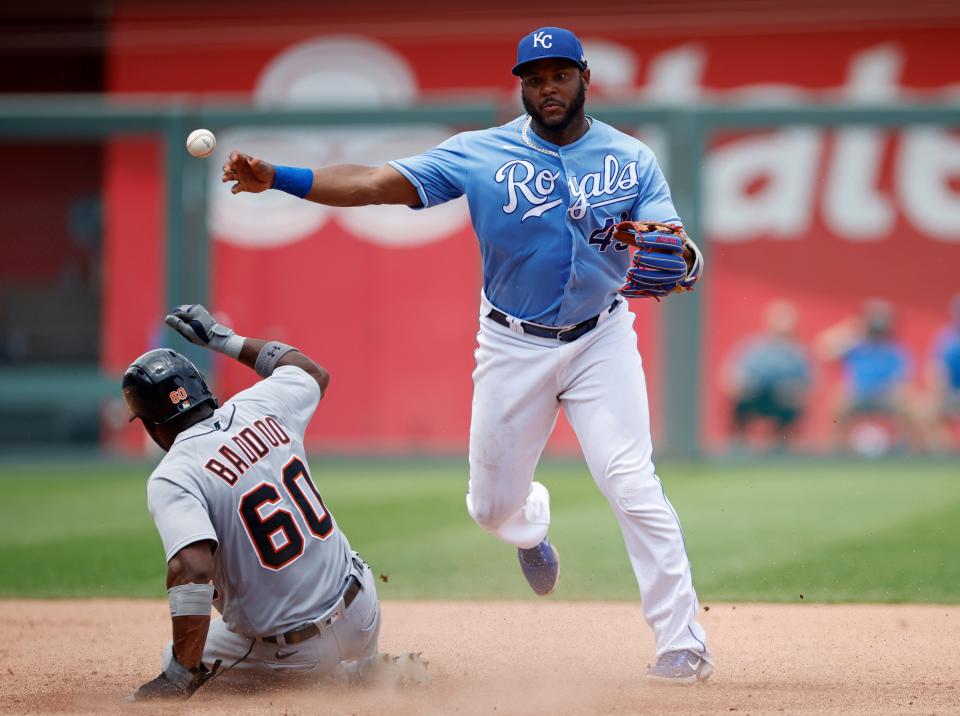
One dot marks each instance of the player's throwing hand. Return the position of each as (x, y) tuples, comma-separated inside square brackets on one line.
[(251, 174)]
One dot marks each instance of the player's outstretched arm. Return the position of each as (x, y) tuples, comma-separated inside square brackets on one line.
[(341, 185), (194, 322)]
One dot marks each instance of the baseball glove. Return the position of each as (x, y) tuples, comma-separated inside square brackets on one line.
[(659, 267)]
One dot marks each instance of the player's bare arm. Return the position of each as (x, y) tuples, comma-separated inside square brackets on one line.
[(191, 565), (341, 185), (194, 322), (190, 595), (253, 346)]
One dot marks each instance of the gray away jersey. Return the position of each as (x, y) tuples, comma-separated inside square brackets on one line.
[(240, 478)]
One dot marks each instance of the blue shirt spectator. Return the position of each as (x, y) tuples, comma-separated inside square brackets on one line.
[(774, 364), (946, 354), (768, 377), (875, 367)]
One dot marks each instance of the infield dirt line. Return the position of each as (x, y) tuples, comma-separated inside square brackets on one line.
[(548, 657)]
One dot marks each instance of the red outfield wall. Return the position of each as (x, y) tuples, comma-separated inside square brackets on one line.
[(387, 298)]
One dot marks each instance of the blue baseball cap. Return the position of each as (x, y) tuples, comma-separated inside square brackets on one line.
[(549, 43)]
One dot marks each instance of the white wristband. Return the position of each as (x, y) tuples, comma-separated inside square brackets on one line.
[(231, 346), (190, 600)]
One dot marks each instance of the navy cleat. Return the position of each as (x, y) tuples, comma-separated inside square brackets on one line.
[(682, 667), (541, 567)]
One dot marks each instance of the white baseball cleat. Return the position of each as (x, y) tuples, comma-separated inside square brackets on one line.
[(682, 667)]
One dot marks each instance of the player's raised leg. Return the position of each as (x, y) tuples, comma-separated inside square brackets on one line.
[(514, 411), (607, 407)]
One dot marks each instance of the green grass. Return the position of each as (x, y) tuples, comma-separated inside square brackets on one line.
[(878, 532)]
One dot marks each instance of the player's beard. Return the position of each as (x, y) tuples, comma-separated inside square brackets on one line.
[(558, 124)]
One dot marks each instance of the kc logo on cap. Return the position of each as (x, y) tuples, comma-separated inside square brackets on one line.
[(549, 43), (543, 39)]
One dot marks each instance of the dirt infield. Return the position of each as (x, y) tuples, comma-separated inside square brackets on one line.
[(517, 658)]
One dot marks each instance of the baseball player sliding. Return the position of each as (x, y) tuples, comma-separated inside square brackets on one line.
[(243, 525), (556, 198)]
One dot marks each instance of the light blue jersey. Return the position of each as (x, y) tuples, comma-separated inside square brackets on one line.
[(544, 214)]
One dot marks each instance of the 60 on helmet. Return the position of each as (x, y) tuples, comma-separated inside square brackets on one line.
[(162, 385)]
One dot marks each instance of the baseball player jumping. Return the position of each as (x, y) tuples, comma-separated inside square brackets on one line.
[(235, 505), (556, 198)]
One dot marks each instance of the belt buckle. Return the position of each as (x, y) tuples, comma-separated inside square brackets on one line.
[(569, 329)]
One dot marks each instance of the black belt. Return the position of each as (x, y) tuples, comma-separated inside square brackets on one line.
[(295, 636), (564, 335)]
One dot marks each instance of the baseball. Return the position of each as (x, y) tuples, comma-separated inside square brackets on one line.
[(201, 142)]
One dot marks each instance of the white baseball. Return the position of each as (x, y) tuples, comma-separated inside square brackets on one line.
[(201, 142)]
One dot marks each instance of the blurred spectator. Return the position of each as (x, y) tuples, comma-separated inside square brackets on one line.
[(768, 376), (13, 343), (876, 368), (944, 378)]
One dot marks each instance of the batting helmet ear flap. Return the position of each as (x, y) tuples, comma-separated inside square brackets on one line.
[(161, 385)]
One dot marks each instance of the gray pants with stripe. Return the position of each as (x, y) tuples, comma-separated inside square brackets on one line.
[(339, 648)]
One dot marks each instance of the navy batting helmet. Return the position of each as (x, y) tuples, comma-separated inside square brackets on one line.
[(161, 385)]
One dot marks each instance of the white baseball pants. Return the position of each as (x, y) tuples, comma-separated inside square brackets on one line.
[(520, 383)]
